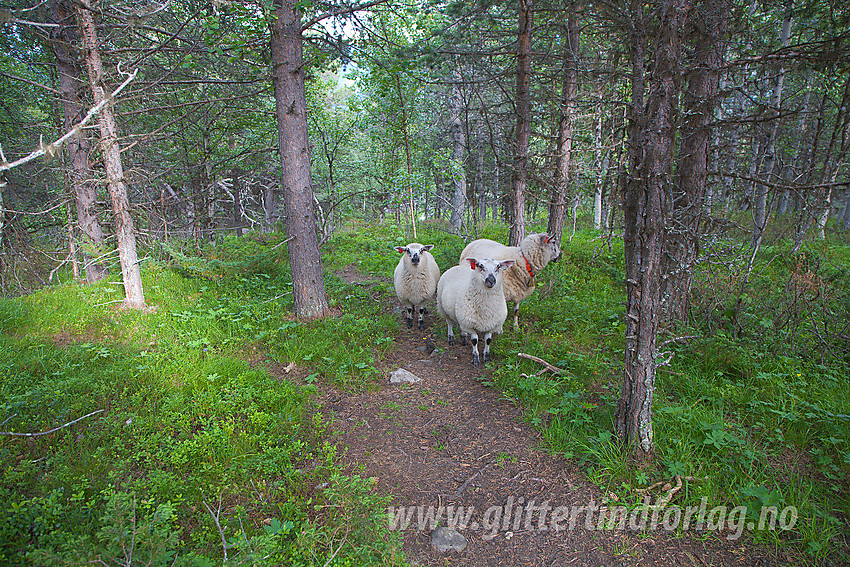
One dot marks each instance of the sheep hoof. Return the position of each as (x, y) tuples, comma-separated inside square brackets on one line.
[(475, 361), (421, 325), (451, 341), (410, 323)]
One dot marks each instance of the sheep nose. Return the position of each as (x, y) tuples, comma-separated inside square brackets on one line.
[(490, 280), (414, 260)]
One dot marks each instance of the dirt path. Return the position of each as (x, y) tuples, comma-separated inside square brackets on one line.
[(448, 440)]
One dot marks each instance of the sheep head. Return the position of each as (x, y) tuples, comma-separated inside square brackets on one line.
[(488, 269), (414, 251)]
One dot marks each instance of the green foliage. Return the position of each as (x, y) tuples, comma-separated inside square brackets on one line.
[(201, 451), (748, 426)]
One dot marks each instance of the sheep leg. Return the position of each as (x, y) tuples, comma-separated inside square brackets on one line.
[(488, 338), (516, 314), (409, 316), (464, 338), (451, 333), (421, 316), (475, 359)]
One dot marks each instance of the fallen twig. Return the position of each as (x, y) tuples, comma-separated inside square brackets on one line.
[(462, 487), (14, 434), (216, 518), (550, 367), (671, 490)]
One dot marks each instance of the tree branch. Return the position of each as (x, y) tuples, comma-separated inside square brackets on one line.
[(549, 367), (14, 434), (52, 148)]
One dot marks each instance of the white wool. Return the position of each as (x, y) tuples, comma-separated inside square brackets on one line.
[(539, 249), (415, 285), (464, 300)]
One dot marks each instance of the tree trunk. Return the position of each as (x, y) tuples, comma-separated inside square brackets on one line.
[(804, 217), (768, 143), (523, 122), (305, 260), (124, 231), (599, 167), (688, 204), (236, 175), (83, 190), (561, 188), (845, 215), (458, 170), (836, 158), (406, 138), (652, 135)]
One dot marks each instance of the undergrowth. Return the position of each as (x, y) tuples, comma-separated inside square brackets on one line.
[(202, 452), (751, 412), (190, 451)]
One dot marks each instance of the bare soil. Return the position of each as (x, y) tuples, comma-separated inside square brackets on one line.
[(450, 440)]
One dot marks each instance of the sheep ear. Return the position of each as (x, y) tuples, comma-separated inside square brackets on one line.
[(427, 247), (505, 264), (399, 249), (473, 263), (545, 238)]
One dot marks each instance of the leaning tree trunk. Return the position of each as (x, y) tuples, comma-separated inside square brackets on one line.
[(698, 101), (458, 151), (652, 139), (561, 188), (124, 230), (82, 186), (305, 261), (523, 121)]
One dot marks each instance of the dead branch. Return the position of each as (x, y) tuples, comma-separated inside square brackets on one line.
[(52, 148), (549, 367), (14, 434), (216, 518)]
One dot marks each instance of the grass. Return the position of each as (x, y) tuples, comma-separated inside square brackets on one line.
[(200, 442), (751, 421), (201, 453)]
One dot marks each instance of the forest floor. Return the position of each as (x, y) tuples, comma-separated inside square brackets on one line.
[(452, 440)]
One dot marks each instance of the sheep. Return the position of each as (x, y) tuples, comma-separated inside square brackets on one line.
[(473, 300), (415, 279), (531, 256)]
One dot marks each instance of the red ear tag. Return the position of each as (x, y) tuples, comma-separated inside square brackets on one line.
[(472, 264)]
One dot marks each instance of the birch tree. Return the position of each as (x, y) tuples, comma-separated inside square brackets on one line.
[(523, 121)]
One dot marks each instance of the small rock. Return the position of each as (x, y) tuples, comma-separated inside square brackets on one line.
[(444, 540), (402, 375)]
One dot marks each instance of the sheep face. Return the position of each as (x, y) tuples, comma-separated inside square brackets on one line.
[(549, 247), (488, 269), (414, 251)]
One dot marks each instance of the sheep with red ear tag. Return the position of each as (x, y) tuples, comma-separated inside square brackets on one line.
[(415, 278), (533, 254), (470, 296)]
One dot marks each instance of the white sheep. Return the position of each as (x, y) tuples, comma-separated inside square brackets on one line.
[(415, 277), (470, 296), (531, 256)]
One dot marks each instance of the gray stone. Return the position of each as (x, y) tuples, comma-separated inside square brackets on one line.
[(402, 375), (444, 540)]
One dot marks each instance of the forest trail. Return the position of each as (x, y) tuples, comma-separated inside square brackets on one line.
[(451, 440)]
